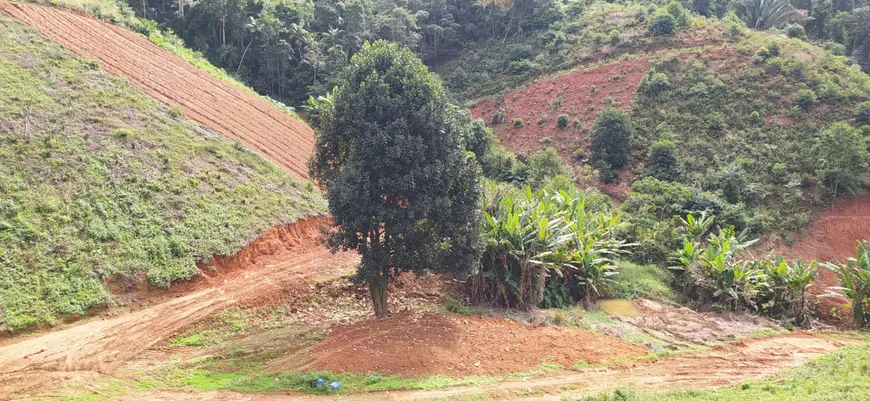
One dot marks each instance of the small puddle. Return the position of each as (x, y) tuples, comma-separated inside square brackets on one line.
[(619, 307)]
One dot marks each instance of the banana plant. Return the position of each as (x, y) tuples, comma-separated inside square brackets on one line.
[(855, 275)]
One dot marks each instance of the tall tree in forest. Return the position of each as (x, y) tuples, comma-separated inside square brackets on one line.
[(401, 190)]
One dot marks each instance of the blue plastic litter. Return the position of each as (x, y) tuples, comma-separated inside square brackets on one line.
[(318, 383), (334, 385)]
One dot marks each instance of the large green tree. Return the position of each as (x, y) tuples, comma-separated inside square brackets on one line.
[(401, 189)]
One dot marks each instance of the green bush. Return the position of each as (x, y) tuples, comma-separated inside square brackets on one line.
[(805, 99), (654, 84), (680, 14), (518, 122), (662, 24), (864, 113), (546, 164), (562, 121), (796, 31), (498, 117), (663, 162), (610, 141)]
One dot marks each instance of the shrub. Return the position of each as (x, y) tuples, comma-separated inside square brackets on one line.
[(805, 99), (562, 121), (518, 122), (680, 14), (796, 31), (498, 117), (175, 112), (546, 164), (864, 113), (663, 163), (501, 165), (662, 24), (610, 141), (755, 117), (654, 84), (613, 37)]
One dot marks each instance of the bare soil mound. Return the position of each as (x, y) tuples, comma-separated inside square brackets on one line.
[(223, 108), (580, 95), (415, 343), (279, 268)]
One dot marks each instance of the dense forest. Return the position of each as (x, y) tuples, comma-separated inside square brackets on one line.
[(293, 49)]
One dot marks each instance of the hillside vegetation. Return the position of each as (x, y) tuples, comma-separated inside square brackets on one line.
[(97, 179)]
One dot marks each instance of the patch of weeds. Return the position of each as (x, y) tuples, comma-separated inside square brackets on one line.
[(457, 306)]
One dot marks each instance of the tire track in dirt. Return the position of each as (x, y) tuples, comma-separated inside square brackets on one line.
[(283, 265), (228, 110)]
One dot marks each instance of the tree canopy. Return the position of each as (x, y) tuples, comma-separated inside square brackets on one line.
[(401, 189)]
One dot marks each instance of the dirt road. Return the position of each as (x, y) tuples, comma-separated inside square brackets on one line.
[(228, 110), (281, 262), (716, 367)]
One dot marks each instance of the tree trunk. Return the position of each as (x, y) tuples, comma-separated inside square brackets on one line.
[(378, 291), (181, 7), (859, 309)]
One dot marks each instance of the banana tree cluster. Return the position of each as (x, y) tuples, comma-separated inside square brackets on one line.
[(720, 269), (544, 249), (855, 275)]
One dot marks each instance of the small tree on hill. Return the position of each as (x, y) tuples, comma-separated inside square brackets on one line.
[(401, 190), (610, 141)]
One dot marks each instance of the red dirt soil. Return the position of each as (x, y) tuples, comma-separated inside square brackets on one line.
[(578, 91), (416, 343), (833, 233), (725, 365), (275, 268), (831, 237), (218, 105)]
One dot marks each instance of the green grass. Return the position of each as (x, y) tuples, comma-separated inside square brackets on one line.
[(840, 376), (99, 181), (642, 281)]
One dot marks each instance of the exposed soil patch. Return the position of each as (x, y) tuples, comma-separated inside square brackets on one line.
[(725, 365), (833, 233), (580, 95), (223, 108), (281, 268), (419, 342), (831, 237), (669, 322)]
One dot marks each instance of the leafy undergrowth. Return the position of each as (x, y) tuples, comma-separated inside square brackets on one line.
[(97, 179), (643, 281), (841, 376)]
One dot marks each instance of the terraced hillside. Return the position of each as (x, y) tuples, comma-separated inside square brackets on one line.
[(217, 105), (100, 182)]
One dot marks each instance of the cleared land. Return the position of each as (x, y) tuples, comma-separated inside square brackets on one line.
[(217, 105), (273, 268)]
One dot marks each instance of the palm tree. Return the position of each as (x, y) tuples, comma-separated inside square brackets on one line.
[(765, 14)]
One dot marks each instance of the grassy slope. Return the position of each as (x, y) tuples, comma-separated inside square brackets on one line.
[(707, 112), (98, 179), (118, 12), (840, 376)]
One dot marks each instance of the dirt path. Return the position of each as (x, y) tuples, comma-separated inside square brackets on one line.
[(716, 367), (282, 261), (223, 108)]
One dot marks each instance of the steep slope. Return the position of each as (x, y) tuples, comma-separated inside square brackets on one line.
[(763, 128), (100, 181), (219, 106)]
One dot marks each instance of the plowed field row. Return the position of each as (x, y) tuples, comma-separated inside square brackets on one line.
[(217, 105)]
